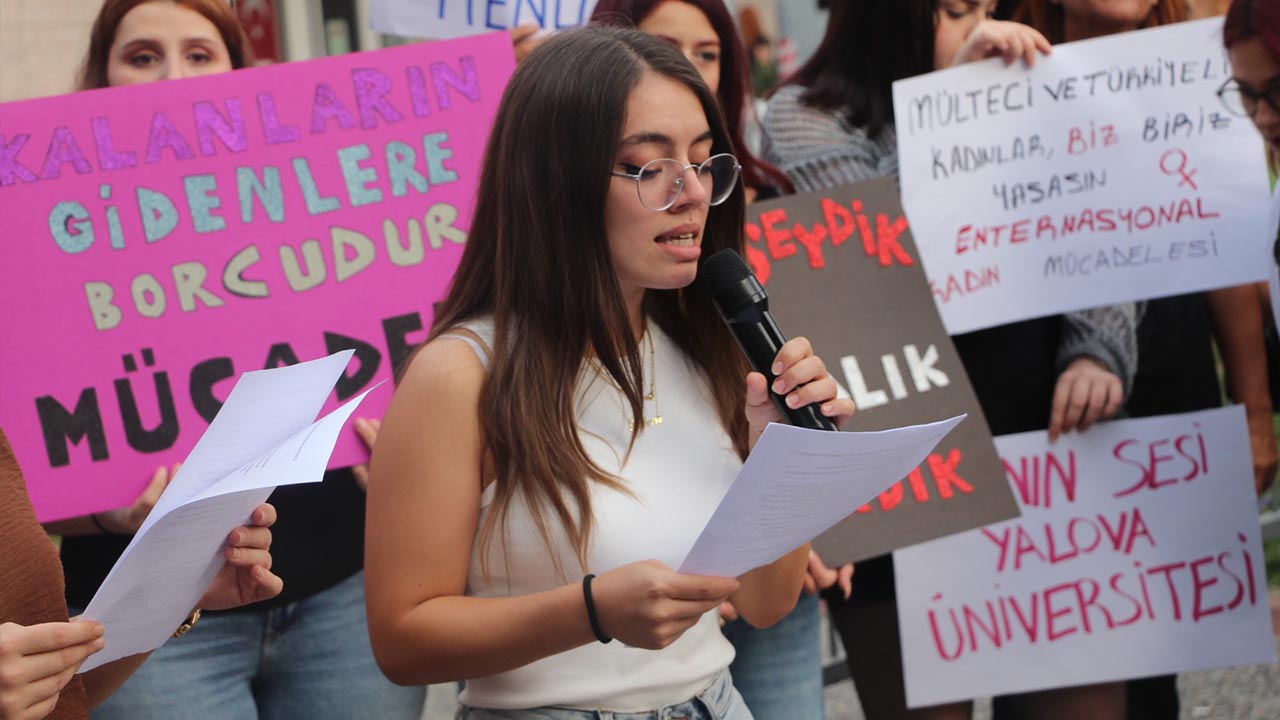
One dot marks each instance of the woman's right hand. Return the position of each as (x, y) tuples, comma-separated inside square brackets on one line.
[(819, 577), (37, 661), (524, 39), (126, 520), (998, 38), (649, 605)]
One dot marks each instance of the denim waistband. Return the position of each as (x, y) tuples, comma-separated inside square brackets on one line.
[(718, 701)]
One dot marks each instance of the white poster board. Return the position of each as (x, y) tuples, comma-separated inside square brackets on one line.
[(1109, 172), (1138, 553), (443, 19)]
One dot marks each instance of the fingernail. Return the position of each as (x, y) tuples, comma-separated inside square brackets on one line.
[(779, 386), (99, 643), (828, 409), (777, 368), (792, 401)]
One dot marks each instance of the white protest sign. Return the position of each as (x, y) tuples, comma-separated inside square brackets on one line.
[(1138, 553), (1109, 172), (442, 19)]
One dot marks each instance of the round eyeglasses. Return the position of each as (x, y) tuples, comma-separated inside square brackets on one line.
[(659, 182), (1244, 102)]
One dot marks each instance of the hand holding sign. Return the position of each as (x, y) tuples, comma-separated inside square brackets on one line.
[(1086, 392), (1109, 172), (525, 39), (126, 520), (998, 38)]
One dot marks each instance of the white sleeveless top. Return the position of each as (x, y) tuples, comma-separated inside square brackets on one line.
[(678, 472)]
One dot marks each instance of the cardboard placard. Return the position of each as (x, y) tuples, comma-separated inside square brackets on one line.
[(160, 239), (841, 268)]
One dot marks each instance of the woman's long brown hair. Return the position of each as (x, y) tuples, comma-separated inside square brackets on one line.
[(93, 74), (537, 260)]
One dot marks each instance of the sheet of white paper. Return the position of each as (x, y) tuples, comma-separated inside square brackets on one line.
[(442, 19), (1138, 553), (178, 551), (796, 484), (264, 408), (1109, 172)]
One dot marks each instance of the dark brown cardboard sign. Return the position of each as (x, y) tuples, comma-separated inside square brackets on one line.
[(841, 269)]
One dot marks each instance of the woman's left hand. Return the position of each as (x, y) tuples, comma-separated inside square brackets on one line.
[(367, 429), (1086, 392), (803, 379), (819, 577), (246, 577)]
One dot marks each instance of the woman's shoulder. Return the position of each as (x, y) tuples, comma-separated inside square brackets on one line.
[(459, 357), (787, 106), (791, 123)]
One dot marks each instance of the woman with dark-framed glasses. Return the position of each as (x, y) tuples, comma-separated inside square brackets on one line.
[(1252, 37), (1251, 34), (553, 450)]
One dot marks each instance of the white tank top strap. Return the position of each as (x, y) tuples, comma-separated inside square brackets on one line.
[(479, 335)]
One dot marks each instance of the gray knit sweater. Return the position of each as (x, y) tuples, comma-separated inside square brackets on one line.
[(818, 149)]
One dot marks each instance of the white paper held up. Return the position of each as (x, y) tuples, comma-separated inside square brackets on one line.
[(262, 438), (798, 483)]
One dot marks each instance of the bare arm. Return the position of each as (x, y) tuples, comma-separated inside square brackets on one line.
[(1238, 319), (423, 509), (768, 593)]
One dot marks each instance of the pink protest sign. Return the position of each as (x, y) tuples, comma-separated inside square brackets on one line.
[(161, 239)]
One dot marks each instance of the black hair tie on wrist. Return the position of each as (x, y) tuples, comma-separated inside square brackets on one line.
[(98, 524), (591, 610)]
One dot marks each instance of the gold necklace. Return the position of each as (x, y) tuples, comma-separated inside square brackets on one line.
[(652, 395)]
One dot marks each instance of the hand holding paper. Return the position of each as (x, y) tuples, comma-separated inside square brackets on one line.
[(263, 437), (796, 484), (246, 575)]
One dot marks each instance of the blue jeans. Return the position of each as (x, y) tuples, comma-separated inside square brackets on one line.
[(308, 660), (717, 701), (778, 670)]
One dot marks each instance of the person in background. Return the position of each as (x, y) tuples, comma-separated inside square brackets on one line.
[(703, 31), (764, 66), (1177, 369), (305, 653), (579, 410), (1252, 37), (41, 650), (832, 124)]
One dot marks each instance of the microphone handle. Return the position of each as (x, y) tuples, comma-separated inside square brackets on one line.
[(760, 339)]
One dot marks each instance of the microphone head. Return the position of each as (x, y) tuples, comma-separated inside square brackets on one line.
[(732, 285)]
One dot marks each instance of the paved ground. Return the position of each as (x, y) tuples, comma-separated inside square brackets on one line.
[(1244, 693)]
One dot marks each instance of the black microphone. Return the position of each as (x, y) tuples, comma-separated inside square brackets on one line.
[(744, 306)]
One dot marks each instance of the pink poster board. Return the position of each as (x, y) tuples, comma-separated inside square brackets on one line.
[(160, 239)]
